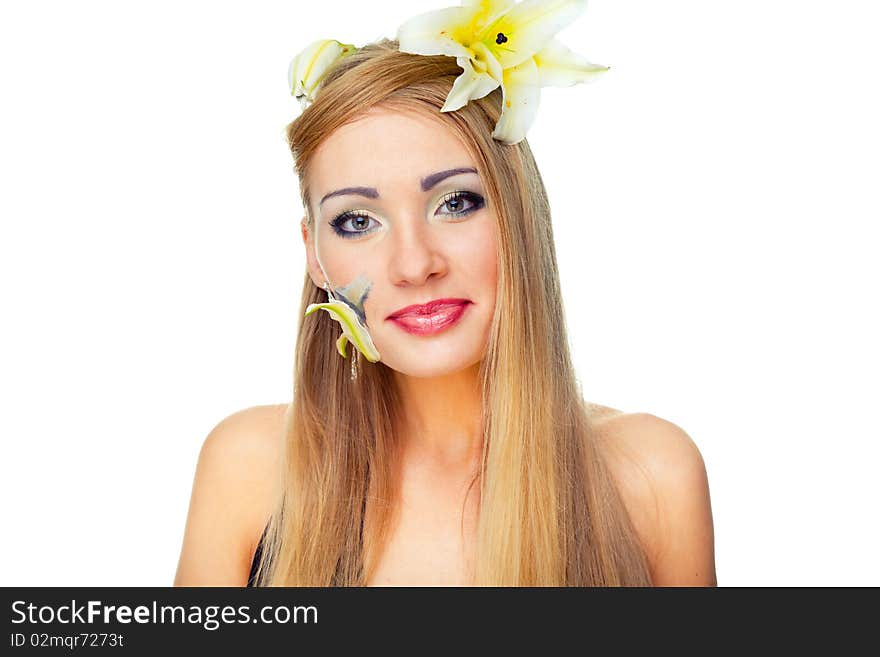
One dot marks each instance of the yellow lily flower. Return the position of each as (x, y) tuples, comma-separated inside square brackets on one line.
[(502, 43), (348, 310), (309, 66)]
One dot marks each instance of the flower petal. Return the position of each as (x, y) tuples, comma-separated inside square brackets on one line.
[(352, 329), (486, 12), (558, 66), (487, 58), (436, 33), (471, 84), (308, 68), (522, 94), (527, 28), (489, 6)]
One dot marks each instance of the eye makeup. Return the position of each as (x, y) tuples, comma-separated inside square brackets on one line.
[(453, 201)]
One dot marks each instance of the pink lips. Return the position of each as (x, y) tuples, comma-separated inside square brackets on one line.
[(430, 318)]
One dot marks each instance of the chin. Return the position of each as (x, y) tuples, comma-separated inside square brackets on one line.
[(427, 361)]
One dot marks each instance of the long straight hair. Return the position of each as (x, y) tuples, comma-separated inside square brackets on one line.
[(549, 511)]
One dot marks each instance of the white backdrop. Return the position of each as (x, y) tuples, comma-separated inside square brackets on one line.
[(715, 202)]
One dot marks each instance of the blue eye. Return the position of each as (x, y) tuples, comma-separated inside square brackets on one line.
[(358, 221), (456, 202)]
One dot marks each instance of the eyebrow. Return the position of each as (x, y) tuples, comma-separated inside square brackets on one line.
[(427, 183)]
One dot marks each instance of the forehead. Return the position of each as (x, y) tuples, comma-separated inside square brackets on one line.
[(385, 148)]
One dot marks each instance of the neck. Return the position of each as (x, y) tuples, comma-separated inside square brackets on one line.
[(442, 416)]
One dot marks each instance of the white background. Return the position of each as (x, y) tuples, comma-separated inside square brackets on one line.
[(715, 201)]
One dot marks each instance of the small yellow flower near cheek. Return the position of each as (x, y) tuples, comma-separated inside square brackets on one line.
[(348, 310)]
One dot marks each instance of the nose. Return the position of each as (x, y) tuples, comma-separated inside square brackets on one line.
[(415, 256)]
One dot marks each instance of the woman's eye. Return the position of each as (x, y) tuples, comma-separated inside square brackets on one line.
[(461, 203), (351, 225)]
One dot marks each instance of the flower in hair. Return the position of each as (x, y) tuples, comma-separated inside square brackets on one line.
[(308, 68), (506, 44), (348, 310)]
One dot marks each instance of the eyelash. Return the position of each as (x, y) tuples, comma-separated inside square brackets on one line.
[(336, 223)]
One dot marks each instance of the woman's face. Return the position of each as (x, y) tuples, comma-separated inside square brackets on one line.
[(413, 234)]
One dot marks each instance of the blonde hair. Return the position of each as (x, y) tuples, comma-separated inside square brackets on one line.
[(550, 514)]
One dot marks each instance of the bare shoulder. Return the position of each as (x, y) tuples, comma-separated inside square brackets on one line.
[(251, 434), (234, 489), (662, 477)]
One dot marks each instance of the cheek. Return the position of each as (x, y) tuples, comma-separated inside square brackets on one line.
[(337, 261), (479, 257), (350, 276)]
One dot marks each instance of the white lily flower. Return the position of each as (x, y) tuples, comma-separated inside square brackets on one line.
[(501, 43), (307, 69)]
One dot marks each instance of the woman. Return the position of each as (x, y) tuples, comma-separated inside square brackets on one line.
[(465, 454)]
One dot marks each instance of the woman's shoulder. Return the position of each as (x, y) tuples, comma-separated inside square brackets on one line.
[(661, 475), (234, 491), (252, 433), (658, 445), (246, 447)]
